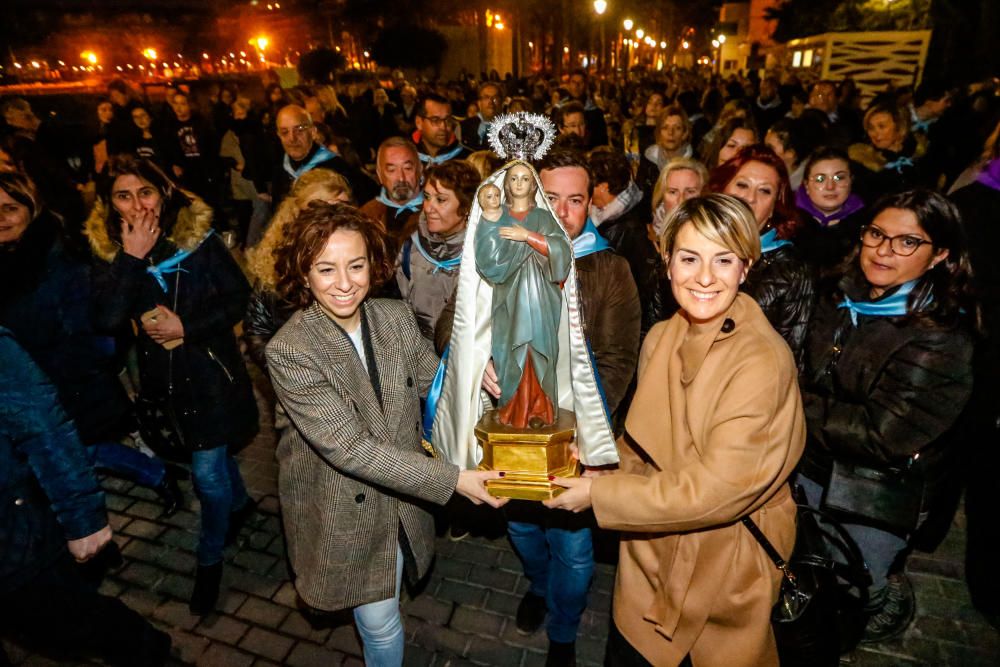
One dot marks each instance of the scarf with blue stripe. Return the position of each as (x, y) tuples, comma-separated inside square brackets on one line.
[(894, 305), (414, 204), (321, 155), (440, 158), (172, 263), (770, 241), (589, 241)]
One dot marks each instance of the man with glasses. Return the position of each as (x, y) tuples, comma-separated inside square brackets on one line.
[(303, 152), (475, 128), (435, 135)]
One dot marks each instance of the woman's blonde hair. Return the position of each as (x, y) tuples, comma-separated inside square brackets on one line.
[(677, 164), (722, 219), (316, 184)]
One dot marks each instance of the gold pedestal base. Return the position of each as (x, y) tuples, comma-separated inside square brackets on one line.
[(527, 456)]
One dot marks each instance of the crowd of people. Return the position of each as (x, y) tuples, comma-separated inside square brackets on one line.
[(785, 287)]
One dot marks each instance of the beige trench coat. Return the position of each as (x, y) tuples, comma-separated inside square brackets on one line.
[(714, 431)]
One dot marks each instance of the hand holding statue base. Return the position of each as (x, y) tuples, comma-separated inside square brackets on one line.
[(529, 458)]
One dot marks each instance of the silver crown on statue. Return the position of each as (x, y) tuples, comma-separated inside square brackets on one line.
[(521, 136)]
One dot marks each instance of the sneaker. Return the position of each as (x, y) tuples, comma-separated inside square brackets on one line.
[(895, 613), (561, 654), (530, 613)]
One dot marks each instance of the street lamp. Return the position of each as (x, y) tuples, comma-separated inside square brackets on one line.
[(149, 53), (627, 24), (639, 33), (90, 57), (600, 6)]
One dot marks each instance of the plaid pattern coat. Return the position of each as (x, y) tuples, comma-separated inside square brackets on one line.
[(353, 477)]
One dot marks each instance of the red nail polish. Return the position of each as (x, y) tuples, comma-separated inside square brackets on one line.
[(551, 477), (502, 473)]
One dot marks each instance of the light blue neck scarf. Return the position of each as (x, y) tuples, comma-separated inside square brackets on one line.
[(414, 204), (447, 264), (322, 154), (440, 157), (770, 241), (894, 305), (172, 263), (589, 241), (899, 164)]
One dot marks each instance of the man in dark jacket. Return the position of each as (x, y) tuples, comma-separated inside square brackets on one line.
[(192, 147), (52, 510), (597, 127), (303, 153), (435, 136), (621, 215), (476, 128)]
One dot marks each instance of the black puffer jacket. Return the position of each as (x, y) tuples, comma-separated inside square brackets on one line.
[(782, 285), (877, 393), (204, 380), (266, 313), (628, 237)]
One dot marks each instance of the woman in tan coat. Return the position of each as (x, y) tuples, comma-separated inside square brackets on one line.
[(713, 434)]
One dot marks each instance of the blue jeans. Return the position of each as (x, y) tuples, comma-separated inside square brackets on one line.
[(878, 547), (126, 462), (219, 487), (559, 563), (381, 626)]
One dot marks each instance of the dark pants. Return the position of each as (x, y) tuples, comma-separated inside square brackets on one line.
[(59, 611), (620, 653)]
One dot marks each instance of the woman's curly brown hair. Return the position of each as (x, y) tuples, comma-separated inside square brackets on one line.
[(309, 234)]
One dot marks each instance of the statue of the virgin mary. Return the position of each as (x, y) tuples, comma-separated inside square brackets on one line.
[(517, 302)]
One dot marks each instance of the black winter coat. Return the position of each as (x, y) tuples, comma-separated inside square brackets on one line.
[(48, 492), (877, 393), (45, 301), (782, 285), (628, 237), (205, 380), (266, 313)]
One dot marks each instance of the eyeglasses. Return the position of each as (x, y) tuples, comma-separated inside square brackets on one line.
[(439, 120), (302, 128), (840, 178), (903, 245)]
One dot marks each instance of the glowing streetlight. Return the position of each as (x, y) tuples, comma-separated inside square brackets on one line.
[(685, 44), (663, 45), (715, 43), (627, 24), (260, 42), (150, 54), (600, 6), (90, 57), (722, 39), (639, 33)]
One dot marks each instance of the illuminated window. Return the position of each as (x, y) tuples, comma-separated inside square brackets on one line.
[(807, 60), (797, 59)]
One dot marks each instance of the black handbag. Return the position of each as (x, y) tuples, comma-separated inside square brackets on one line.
[(889, 499), (820, 613), (160, 429)]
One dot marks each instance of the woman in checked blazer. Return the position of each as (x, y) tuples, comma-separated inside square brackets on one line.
[(354, 480)]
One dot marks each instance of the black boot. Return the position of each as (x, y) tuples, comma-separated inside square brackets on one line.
[(206, 589), (170, 494), (530, 613), (561, 654), (237, 519)]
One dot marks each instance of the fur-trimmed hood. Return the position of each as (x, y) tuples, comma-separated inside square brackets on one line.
[(193, 222)]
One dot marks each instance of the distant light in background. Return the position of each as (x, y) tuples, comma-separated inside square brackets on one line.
[(600, 6), (149, 53), (627, 24)]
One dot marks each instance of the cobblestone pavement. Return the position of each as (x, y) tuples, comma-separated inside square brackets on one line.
[(462, 615)]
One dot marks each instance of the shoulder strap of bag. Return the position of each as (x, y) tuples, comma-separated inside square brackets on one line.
[(769, 549), (405, 261)]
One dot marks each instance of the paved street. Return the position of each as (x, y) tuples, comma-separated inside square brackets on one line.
[(462, 615)]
